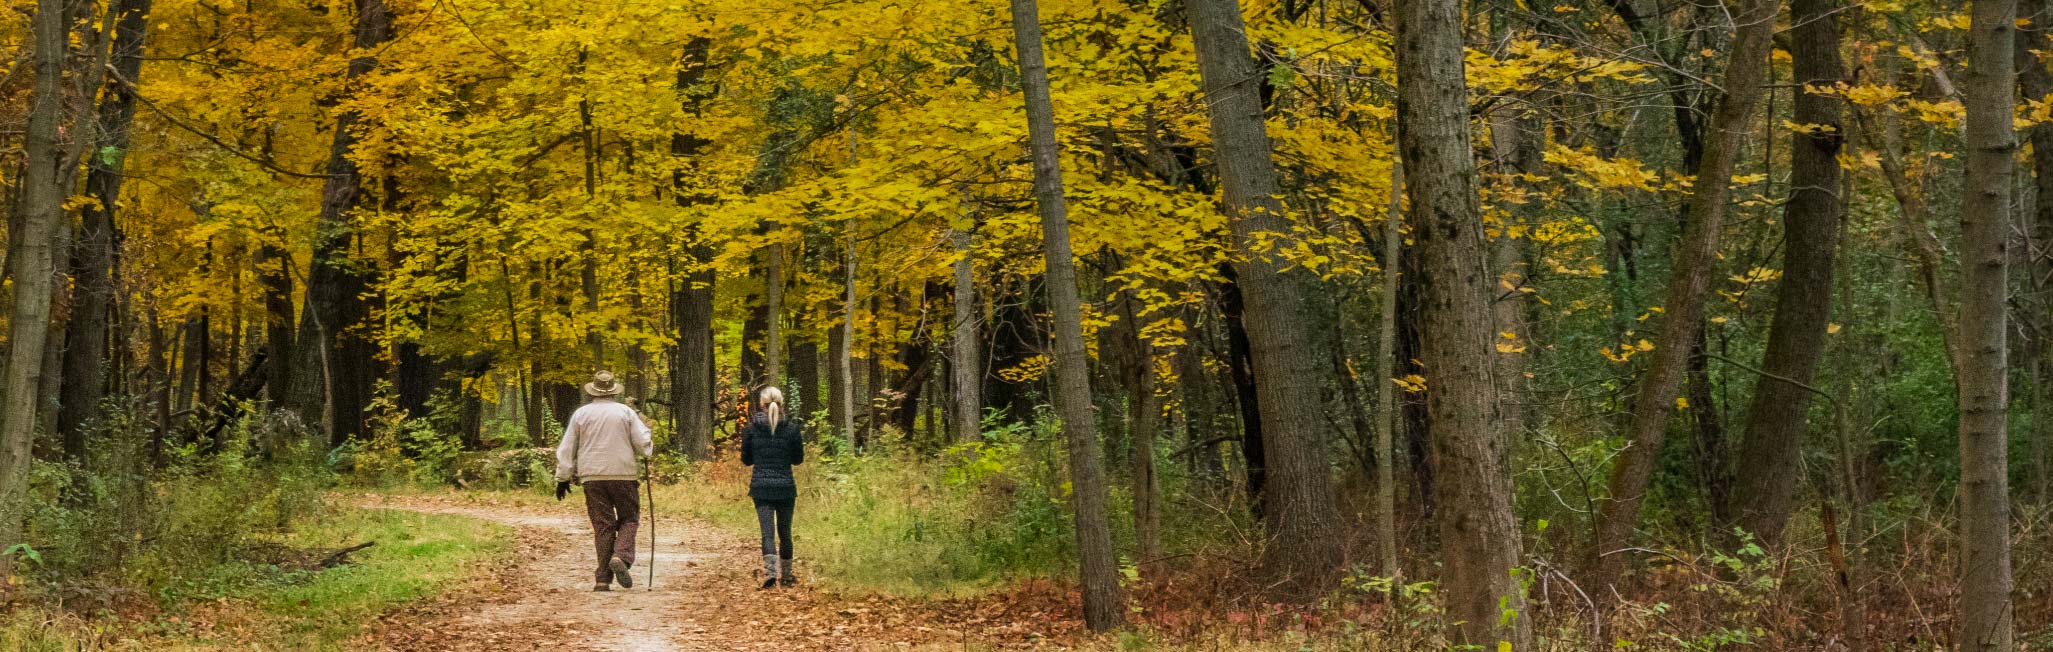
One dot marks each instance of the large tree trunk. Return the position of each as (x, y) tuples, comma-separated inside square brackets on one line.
[(1104, 607), (1304, 549), (42, 207), (1478, 533), (1986, 617), (1754, 25), (964, 364), (85, 353), (335, 306), (691, 303), (1773, 445)]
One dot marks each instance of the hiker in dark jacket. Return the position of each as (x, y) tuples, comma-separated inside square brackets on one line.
[(771, 443)]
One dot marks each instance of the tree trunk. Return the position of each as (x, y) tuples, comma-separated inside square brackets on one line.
[(158, 375), (1413, 419), (1713, 451), (1516, 151), (1304, 549), (773, 316), (691, 304), (588, 247), (1478, 532), (1104, 607), (1773, 442), (276, 277), (86, 359), (844, 356), (1195, 398), (754, 364), (1656, 400), (1136, 356), (335, 306), (1986, 617), (964, 364), (53, 349), (838, 382), (1240, 368), (804, 393), (42, 207), (1386, 369)]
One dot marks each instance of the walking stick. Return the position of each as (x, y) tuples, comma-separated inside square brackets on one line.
[(649, 470)]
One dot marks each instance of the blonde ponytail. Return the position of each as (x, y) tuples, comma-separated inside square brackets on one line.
[(773, 407)]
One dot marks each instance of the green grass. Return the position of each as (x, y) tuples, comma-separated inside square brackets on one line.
[(416, 555), (260, 607), (896, 524)]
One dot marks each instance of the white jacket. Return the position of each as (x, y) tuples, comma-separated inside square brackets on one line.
[(601, 442)]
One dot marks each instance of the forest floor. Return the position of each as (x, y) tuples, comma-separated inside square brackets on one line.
[(704, 598)]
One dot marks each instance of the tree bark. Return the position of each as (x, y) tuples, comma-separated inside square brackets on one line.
[(1144, 422), (844, 358), (275, 275), (1304, 549), (42, 207), (1655, 402), (773, 316), (1986, 617), (1386, 369), (1773, 442), (691, 303), (1516, 152), (1104, 606), (964, 364), (335, 306), (1478, 533), (1240, 368), (86, 359)]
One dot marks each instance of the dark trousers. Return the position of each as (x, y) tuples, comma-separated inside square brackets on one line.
[(774, 516), (616, 510)]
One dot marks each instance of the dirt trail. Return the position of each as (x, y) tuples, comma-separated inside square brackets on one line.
[(704, 600)]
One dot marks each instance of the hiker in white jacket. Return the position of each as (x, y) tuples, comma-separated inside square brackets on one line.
[(600, 444)]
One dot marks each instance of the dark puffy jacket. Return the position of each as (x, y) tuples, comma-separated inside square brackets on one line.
[(772, 455)]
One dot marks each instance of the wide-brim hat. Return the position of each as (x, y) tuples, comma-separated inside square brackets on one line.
[(603, 385)]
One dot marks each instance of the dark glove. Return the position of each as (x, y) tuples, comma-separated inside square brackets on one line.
[(562, 489)]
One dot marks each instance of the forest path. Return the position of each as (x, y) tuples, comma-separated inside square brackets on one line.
[(704, 598)]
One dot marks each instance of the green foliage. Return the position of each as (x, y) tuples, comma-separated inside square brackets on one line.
[(121, 524), (402, 449), (883, 522)]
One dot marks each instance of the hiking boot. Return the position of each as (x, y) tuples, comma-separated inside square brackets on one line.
[(620, 573), (769, 571), (789, 576), (602, 587)]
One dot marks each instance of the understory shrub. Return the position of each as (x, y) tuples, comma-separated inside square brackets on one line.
[(132, 530)]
